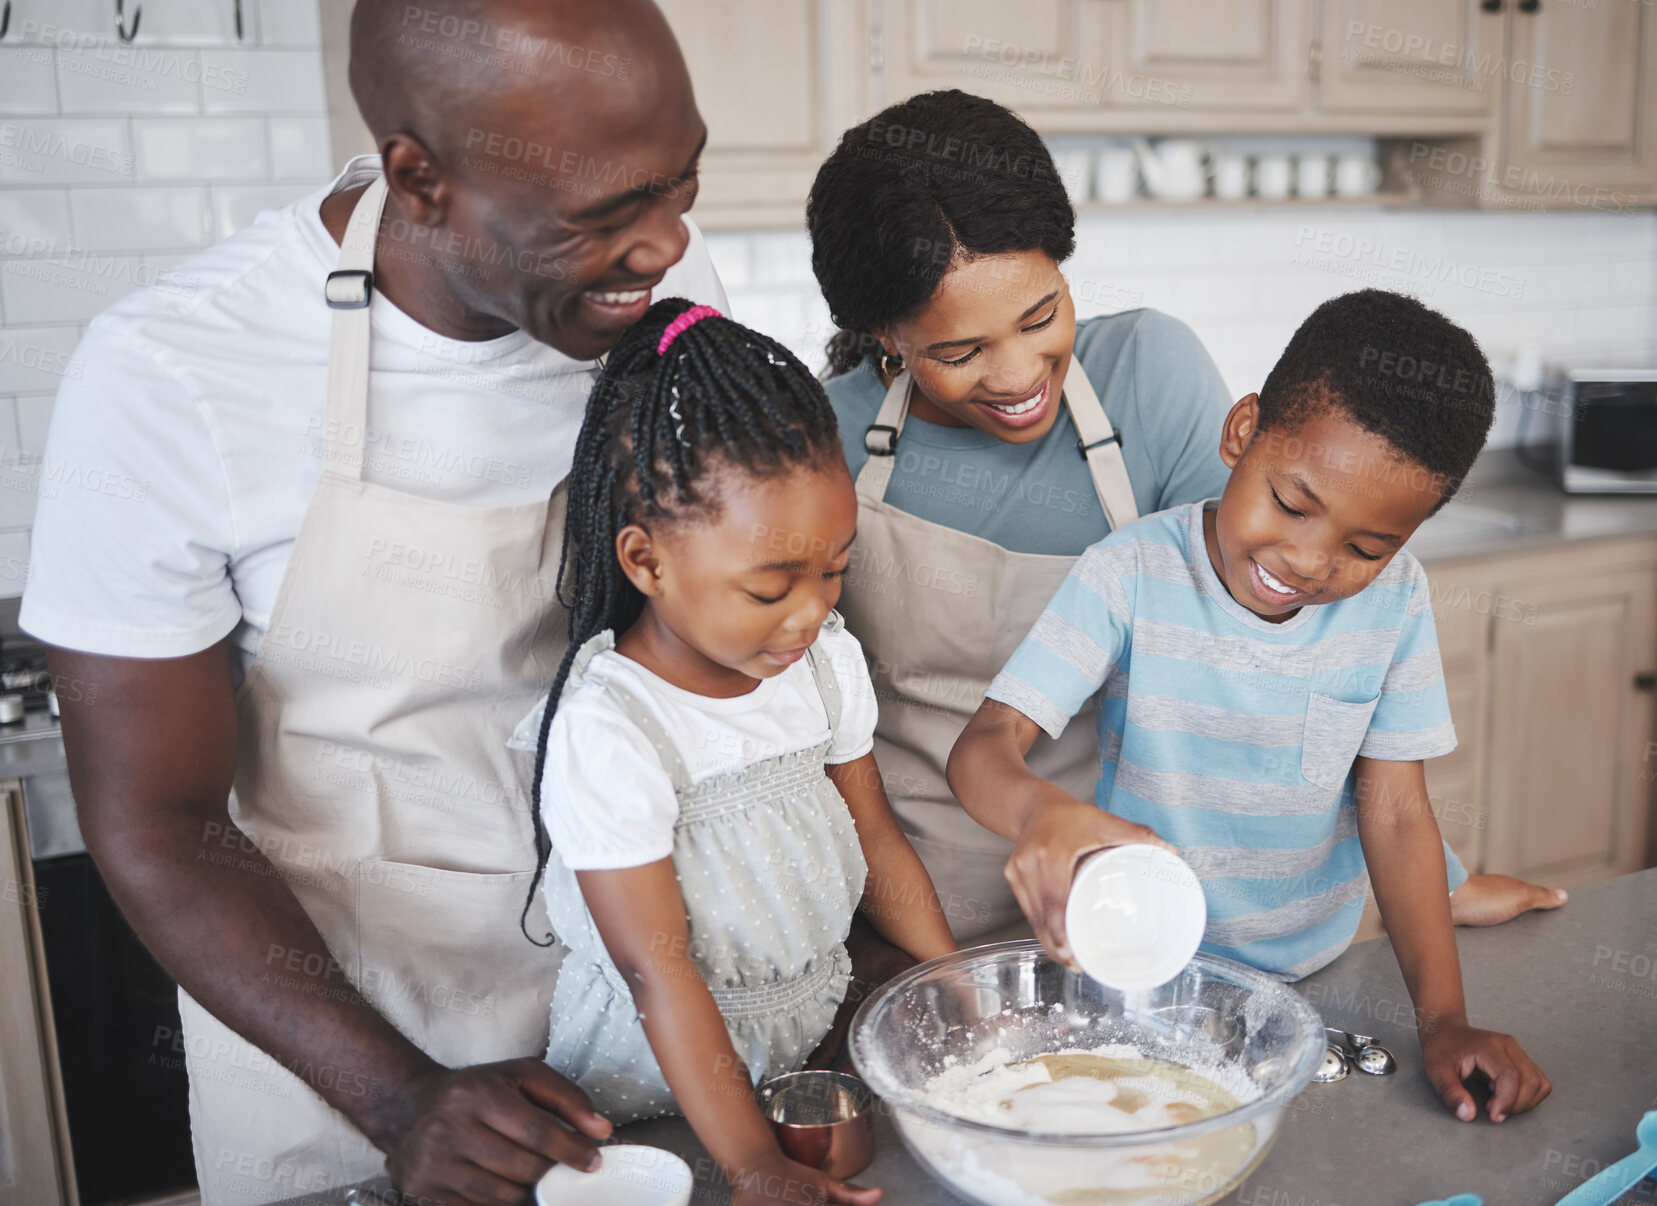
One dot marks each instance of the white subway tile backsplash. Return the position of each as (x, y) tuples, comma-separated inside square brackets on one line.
[(37, 359), (34, 414), (126, 80), (289, 22), (34, 221), (234, 208), (266, 81), (781, 257), (62, 22), (53, 150), (20, 486), (299, 148), (28, 84), (189, 22), (136, 219), (69, 288), (10, 448), (204, 148), (729, 253), (14, 563)]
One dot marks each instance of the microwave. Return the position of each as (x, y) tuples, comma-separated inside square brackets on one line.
[(1605, 429)]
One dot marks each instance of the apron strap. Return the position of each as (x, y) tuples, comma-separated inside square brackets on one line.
[(1097, 442), (880, 440), (672, 761), (348, 292), (828, 686)]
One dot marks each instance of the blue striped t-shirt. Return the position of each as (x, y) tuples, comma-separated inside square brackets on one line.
[(1232, 737)]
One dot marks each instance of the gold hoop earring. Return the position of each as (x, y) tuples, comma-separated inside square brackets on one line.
[(891, 365)]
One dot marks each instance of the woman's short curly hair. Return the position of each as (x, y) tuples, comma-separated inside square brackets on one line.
[(938, 177)]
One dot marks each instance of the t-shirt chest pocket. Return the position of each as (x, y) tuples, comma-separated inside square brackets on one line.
[(1329, 742)]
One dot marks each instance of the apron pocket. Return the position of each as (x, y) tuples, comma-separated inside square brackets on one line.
[(442, 957), (1329, 742)]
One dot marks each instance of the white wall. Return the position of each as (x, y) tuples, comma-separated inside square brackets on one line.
[(116, 163), (1573, 285)]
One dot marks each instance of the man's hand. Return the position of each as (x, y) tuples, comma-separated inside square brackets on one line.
[(1056, 837), (1451, 1051), (482, 1136)]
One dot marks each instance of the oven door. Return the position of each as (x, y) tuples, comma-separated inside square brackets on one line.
[(116, 1014)]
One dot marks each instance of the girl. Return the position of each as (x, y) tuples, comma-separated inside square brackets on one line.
[(708, 807)]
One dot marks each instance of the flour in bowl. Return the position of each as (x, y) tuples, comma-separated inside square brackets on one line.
[(1109, 1090)]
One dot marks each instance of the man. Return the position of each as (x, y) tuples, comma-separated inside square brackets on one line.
[(337, 594)]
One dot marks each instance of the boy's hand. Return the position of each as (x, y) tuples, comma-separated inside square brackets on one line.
[(1056, 837), (1453, 1051)]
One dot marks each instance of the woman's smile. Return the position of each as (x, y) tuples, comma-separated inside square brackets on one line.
[(1022, 412)]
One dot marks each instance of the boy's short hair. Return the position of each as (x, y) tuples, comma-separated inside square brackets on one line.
[(1395, 368)]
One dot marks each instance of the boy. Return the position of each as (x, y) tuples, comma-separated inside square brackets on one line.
[(1271, 679)]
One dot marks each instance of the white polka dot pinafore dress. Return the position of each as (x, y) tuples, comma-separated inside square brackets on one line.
[(771, 870)]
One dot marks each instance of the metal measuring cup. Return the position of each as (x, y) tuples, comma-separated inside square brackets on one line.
[(822, 1119)]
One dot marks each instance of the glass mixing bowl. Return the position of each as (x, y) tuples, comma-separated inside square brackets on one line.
[(1257, 1036)]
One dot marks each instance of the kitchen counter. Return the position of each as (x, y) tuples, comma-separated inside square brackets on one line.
[(1504, 508), (1577, 986)]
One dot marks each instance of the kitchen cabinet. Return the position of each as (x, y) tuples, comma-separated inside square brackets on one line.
[(1550, 663), (31, 1118), (1070, 64), (1581, 103), (1211, 55), (1409, 56), (1570, 721), (777, 82)]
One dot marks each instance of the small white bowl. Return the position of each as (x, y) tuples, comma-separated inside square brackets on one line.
[(631, 1175), (1135, 916)]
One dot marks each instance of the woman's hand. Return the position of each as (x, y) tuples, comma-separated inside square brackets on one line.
[(1057, 833), (771, 1177)]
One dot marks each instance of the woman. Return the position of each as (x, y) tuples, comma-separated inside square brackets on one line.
[(992, 439)]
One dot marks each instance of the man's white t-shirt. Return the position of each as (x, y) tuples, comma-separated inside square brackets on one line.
[(606, 798), (206, 407)]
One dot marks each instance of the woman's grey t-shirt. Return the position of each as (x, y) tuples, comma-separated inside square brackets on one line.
[(1161, 392)]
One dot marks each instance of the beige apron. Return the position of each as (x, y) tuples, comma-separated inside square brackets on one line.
[(408, 638), (939, 612)]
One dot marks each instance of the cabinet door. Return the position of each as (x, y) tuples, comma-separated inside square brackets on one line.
[(1568, 790), (1582, 103), (29, 1170), (1046, 59), (1409, 56), (777, 81), (1211, 54)]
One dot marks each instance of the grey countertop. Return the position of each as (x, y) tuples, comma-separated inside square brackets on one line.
[(1505, 508), (1577, 986)]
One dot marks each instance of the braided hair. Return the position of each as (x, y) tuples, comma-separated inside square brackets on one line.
[(657, 426)]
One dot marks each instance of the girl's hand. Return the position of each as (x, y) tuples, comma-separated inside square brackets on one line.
[(1054, 838), (773, 1178)]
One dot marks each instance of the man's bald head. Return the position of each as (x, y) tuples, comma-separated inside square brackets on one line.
[(540, 154), (424, 67)]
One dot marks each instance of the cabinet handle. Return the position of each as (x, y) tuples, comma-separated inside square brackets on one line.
[(1646, 681), (1530, 6), (1491, 6)]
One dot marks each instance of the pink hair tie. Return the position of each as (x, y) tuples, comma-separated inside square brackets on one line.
[(683, 323)]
